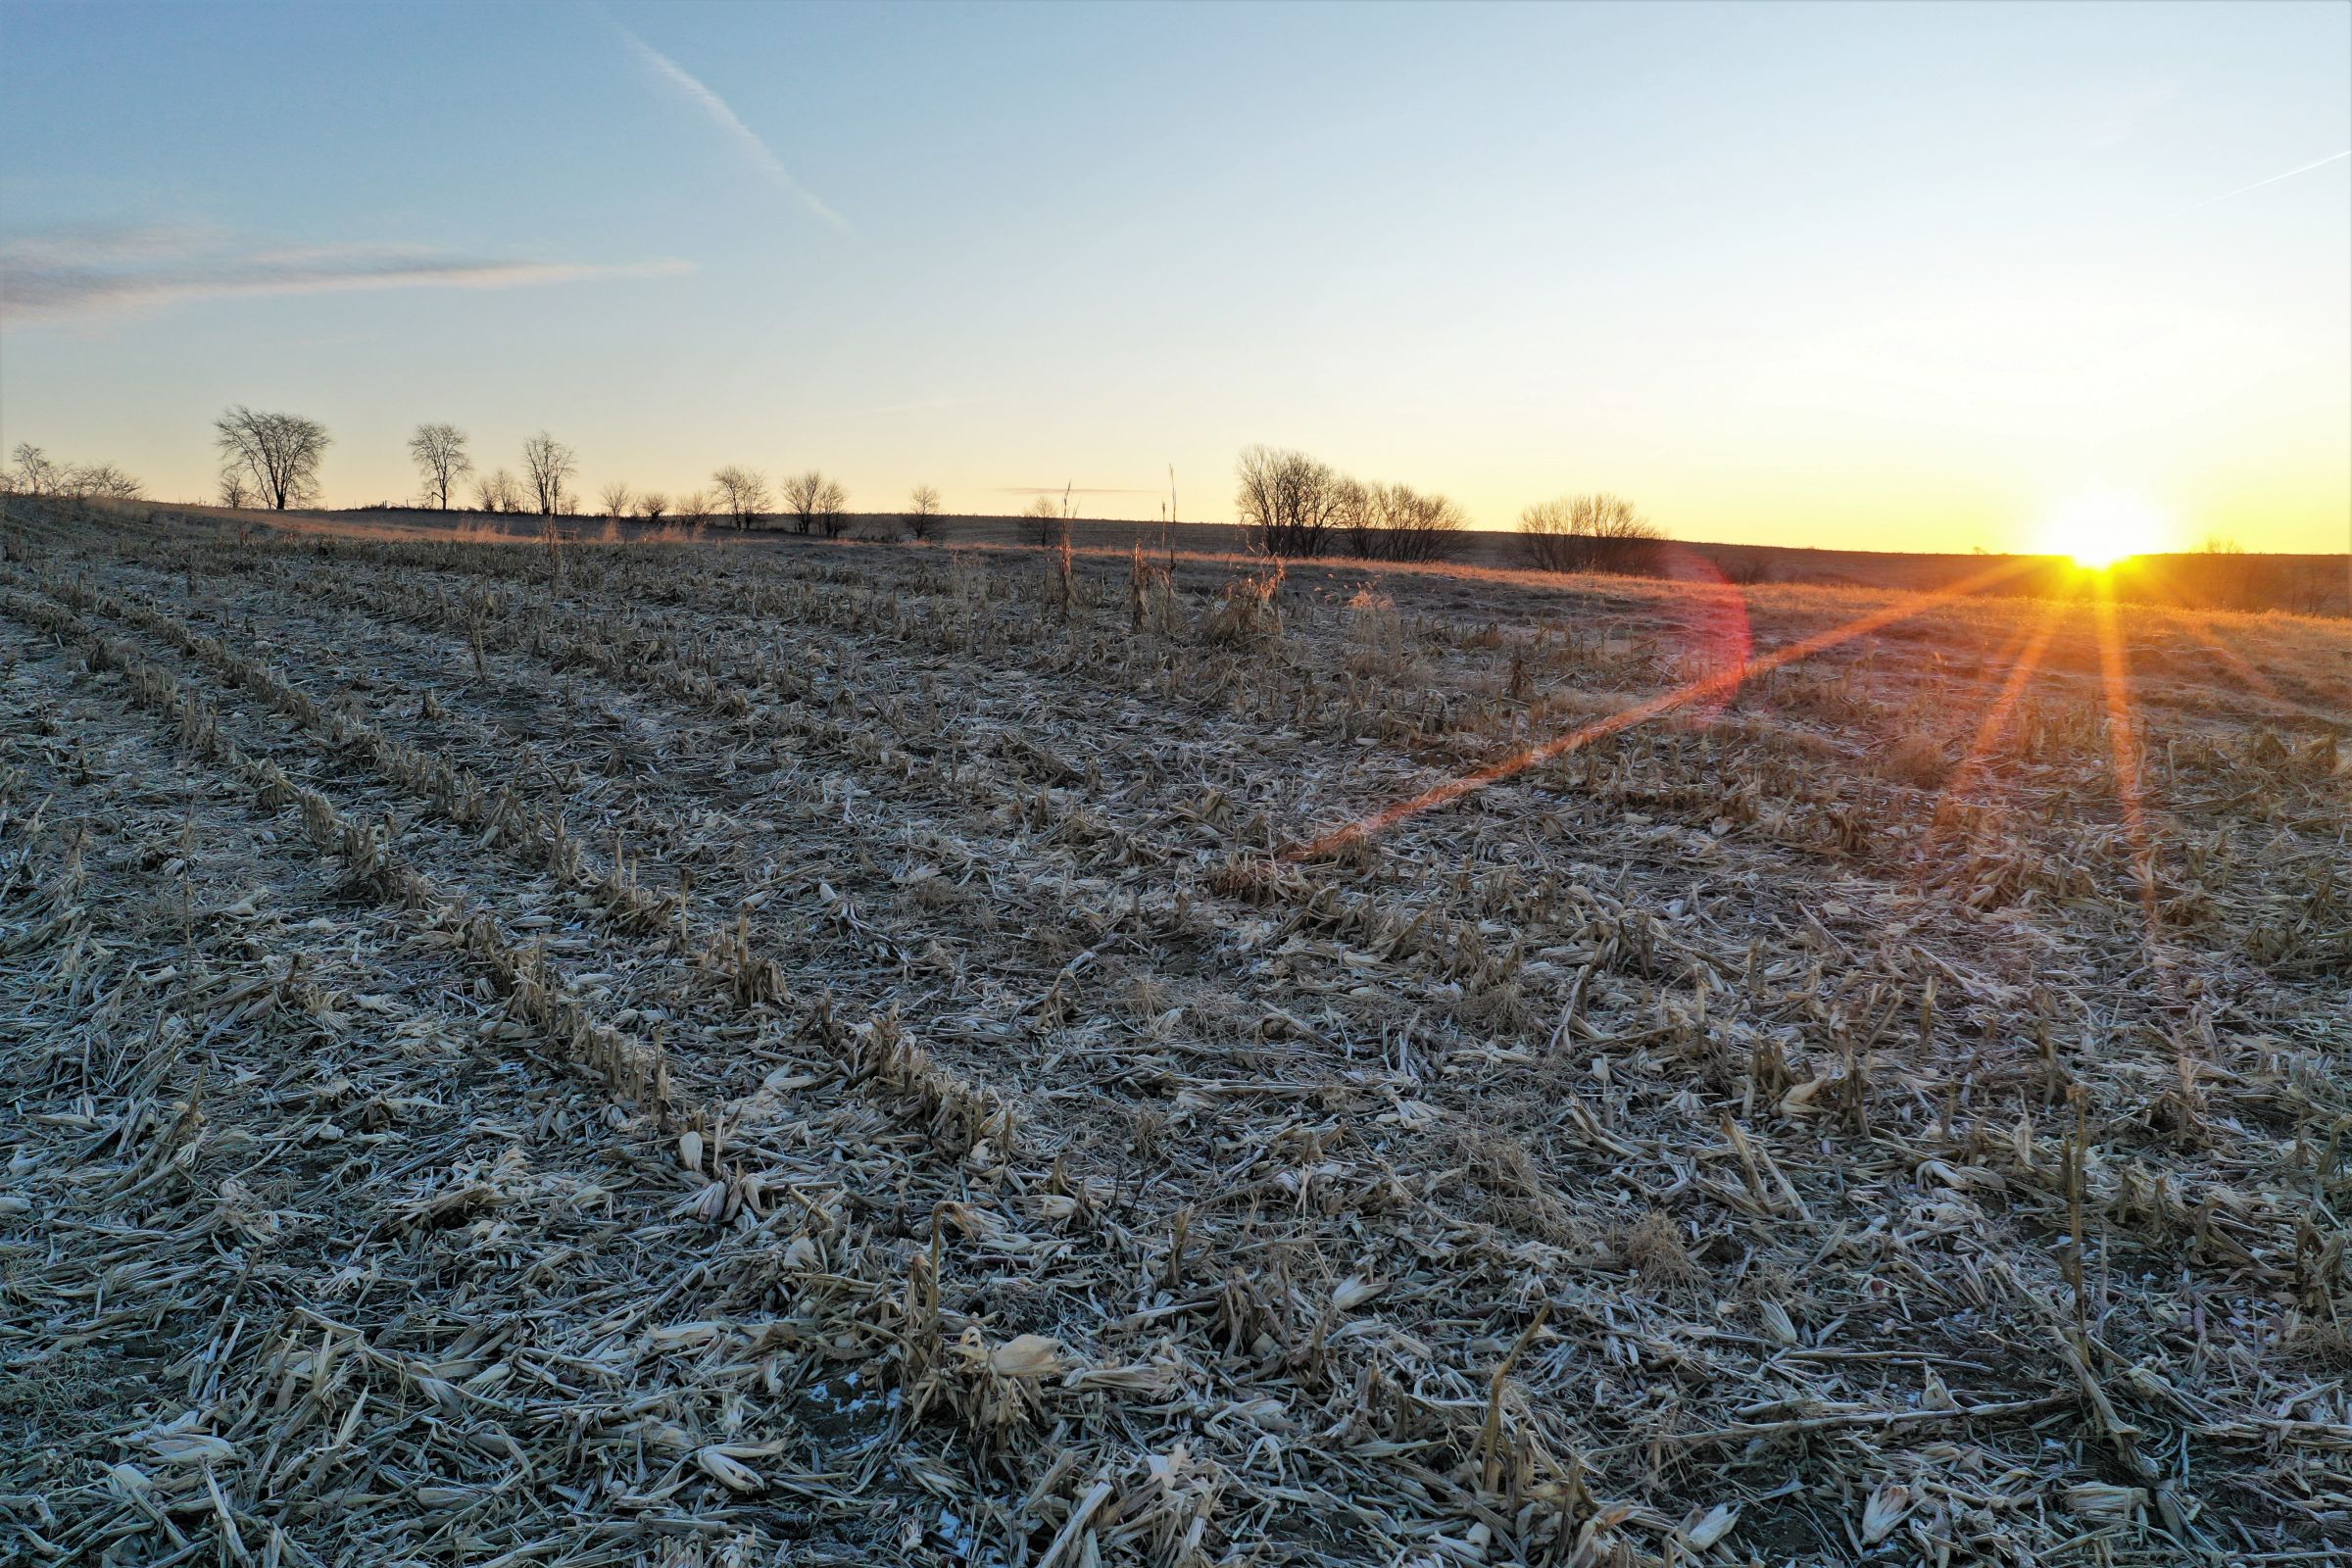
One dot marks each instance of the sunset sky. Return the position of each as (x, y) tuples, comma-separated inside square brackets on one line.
[(1903, 277)]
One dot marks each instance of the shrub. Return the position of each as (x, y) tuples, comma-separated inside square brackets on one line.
[(1595, 532)]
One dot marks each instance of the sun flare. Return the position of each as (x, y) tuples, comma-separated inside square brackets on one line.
[(2101, 527)]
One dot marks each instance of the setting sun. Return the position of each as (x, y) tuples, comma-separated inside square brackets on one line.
[(2101, 527)]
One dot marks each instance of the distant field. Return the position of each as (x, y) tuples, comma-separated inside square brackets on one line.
[(2301, 584), (842, 1053)]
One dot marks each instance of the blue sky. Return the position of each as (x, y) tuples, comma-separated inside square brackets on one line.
[(1905, 276)]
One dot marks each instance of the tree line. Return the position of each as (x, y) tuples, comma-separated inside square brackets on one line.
[(1290, 502), (32, 471), (1295, 504), (815, 504), (272, 461)]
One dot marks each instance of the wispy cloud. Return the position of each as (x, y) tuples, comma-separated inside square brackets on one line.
[(2304, 169), (90, 269), (99, 242), (717, 111)]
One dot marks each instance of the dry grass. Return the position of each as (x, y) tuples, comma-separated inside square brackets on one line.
[(819, 1053), (1917, 761)]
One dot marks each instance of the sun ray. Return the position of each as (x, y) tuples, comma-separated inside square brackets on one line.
[(2123, 735), (1712, 687), (2034, 640), (2200, 626)]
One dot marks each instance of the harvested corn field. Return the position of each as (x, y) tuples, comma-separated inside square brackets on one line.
[(806, 1053)]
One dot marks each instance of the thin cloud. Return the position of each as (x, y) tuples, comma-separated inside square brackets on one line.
[(76, 272), (716, 109), (2317, 163), (101, 243)]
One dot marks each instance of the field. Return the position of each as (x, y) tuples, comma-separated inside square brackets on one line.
[(661, 1054), (2305, 584)]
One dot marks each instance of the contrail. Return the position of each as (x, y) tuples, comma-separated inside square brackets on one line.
[(715, 107), (2321, 163)]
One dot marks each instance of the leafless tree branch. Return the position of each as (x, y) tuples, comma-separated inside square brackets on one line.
[(439, 451), (279, 451)]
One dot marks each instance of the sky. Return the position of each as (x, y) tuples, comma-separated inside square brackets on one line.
[(1876, 277)]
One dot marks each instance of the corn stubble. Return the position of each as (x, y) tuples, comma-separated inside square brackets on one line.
[(571, 1053)]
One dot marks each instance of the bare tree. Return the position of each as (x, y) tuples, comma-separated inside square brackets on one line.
[(279, 451), (923, 513), (34, 474), (832, 505), (1597, 532), (439, 452), (547, 464), (1423, 526), (815, 504), (1290, 500), (693, 508), (743, 493), (1046, 512), (498, 492), (1397, 522), (101, 481), (615, 500), (235, 491), (1353, 516), (652, 505), (2224, 577)]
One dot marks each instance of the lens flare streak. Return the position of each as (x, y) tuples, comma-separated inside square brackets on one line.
[(2200, 628), (1713, 688), (2122, 734), (2036, 640)]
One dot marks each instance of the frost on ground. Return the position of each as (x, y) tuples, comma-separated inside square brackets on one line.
[(661, 1055)]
